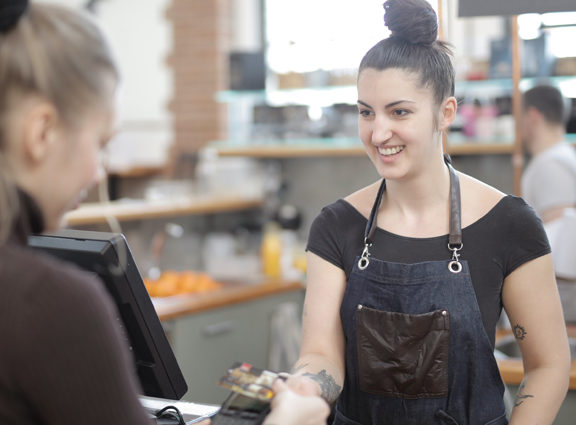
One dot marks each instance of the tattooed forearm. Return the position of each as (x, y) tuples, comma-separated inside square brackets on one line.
[(521, 397), (330, 389), (519, 332), (299, 367)]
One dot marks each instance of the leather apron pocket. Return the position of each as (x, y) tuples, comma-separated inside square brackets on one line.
[(403, 355)]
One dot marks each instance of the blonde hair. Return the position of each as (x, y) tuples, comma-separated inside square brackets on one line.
[(60, 55)]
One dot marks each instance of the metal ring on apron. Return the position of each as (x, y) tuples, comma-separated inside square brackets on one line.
[(455, 266), (364, 260)]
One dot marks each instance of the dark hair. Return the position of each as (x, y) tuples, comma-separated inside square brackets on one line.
[(547, 100), (413, 46)]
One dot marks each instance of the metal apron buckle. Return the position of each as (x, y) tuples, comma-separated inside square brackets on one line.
[(455, 266), (364, 258)]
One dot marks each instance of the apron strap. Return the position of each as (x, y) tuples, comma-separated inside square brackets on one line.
[(371, 225), (455, 236)]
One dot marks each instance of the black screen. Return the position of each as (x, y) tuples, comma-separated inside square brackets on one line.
[(108, 255)]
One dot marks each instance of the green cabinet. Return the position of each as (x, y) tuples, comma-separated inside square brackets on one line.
[(207, 343)]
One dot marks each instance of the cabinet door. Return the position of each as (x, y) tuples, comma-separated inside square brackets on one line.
[(206, 344)]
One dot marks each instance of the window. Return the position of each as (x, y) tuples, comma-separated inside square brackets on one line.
[(304, 36)]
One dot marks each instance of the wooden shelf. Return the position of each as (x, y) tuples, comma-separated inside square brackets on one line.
[(512, 370), (290, 151), (230, 294), (95, 213), (302, 151), (140, 171), (481, 148)]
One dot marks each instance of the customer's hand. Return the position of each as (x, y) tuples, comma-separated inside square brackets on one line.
[(303, 385), (297, 402), (292, 408)]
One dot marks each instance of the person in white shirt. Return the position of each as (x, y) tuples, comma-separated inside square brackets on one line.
[(549, 183)]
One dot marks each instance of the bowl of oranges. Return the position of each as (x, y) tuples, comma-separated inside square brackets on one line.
[(171, 282)]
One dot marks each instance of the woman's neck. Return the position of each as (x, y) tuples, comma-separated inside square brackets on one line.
[(418, 206), (429, 186)]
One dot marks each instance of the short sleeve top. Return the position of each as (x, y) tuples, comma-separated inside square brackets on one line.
[(549, 180), (506, 237)]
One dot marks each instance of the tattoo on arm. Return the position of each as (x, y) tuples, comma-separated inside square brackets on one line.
[(330, 389), (299, 367), (521, 397), (519, 332)]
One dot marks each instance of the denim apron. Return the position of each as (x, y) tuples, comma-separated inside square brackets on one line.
[(416, 348)]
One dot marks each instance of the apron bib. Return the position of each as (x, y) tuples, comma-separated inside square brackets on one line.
[(416, 348)]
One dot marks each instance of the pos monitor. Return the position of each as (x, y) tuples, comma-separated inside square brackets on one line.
[(108, 255)]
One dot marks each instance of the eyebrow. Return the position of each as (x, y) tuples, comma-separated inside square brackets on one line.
[(389, 105)]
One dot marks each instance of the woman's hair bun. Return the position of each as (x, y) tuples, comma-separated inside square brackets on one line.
[(412, 20), (10, 12)]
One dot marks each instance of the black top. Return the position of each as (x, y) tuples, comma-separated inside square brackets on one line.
[(509, 235), (64, 357)]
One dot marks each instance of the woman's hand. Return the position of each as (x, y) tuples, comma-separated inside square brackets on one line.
[(292, 408)]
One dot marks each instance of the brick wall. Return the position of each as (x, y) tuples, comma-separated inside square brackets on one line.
[(199, 60)]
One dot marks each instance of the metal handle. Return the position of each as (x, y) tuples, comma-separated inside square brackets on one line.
[(218, 329)]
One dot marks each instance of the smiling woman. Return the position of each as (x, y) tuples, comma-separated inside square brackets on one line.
[(392, 103), (407, 276)]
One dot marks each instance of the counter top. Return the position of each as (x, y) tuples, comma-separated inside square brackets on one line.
[(231, 293), (512, 370)]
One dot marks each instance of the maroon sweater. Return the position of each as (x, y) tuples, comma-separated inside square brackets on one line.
[(63, 359)]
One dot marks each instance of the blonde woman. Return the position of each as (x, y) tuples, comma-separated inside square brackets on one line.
[(63, 357)]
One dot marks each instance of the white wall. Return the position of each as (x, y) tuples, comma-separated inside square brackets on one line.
[(245, 16), (141, 38), (470, 36)]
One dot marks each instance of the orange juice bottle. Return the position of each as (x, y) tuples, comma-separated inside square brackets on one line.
[(271, 251)]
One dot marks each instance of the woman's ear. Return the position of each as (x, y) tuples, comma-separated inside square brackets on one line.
[(447, 113), (40, 131)]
